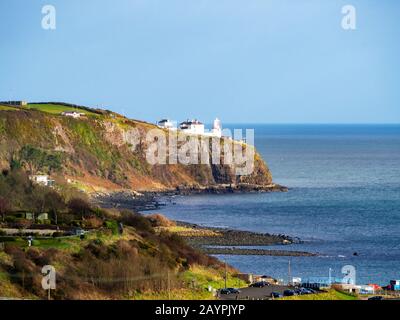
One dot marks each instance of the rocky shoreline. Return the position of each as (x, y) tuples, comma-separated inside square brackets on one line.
[(226, 239), (230, 237), (151, 200)]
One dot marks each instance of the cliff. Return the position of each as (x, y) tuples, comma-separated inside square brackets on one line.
[(103, 151)]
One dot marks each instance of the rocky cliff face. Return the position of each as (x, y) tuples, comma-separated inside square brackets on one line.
[(106, 151)]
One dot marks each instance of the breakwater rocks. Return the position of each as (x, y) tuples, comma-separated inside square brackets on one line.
[(257, 252), (230, 237), (231, 242)]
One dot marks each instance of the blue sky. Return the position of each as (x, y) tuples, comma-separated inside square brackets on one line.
[(265, 61)]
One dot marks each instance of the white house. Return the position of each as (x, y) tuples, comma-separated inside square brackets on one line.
[(72, 114), (192, 127), (166, 124), (42, 179)]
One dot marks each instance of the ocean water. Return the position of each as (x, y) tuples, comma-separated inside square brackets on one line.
[(344, 197)]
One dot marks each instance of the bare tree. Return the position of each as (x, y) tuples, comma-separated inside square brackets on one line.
[(4, 207)]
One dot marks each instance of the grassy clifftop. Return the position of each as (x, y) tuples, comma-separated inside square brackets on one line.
[(103, 151)]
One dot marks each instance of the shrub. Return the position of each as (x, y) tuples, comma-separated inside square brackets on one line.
[(11, 219), (80, 207), (158, 220), (93, 223), (57, 234), (112, 225), (22, 223), (136, 220)]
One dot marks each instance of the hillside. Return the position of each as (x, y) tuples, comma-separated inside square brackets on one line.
[(102, 151), (118, 254)]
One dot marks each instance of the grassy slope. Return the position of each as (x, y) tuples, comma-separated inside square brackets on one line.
[(197, 279), (7, 108)]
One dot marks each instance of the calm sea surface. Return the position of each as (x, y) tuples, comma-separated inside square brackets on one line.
[(344, 197)]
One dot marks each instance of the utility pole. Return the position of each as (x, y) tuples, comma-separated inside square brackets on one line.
[(289, 274), (330, 276), (169, 287), (225, 274)]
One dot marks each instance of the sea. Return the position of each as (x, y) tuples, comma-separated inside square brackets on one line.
[(343, 202)]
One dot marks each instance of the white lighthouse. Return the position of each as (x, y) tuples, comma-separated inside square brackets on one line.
[(217, 128)]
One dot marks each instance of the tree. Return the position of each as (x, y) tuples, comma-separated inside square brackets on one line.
[(32, 157), (36, 159), (54, 203), (4, 207), (38, 203), (80, 206)]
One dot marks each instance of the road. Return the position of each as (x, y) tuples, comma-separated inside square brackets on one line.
[(255, 293)]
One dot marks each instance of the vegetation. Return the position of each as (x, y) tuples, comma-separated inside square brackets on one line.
[(122, 255), (103, 150), (18, 194), (39, 160), (57, 108)]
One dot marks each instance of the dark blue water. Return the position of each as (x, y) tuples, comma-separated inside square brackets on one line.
[(344, 197)]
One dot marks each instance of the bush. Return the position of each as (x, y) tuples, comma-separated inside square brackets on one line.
[(66, 218), (136, 220), (45, 221), (158, 220), (112, 225), (81, 207), (11, 219), (22, 223), (93, 223)]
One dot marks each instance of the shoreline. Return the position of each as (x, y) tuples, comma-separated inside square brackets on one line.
[(214, 241), (150, 200), (201, 237)]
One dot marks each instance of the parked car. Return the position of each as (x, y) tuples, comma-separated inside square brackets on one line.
[(311, 290), (288, 293), (303, 291), (224, 291), (229, 291), (233, 290), (260, 284), (276, 295), (76, 232), (376, 298)]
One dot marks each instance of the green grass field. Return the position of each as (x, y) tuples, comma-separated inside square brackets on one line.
[(57, 109), (3, 107)]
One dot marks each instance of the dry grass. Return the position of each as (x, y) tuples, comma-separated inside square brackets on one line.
[(190, 232)]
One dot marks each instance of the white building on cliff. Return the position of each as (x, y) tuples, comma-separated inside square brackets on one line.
[(192, 126), (196, 127), (166, 124)]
